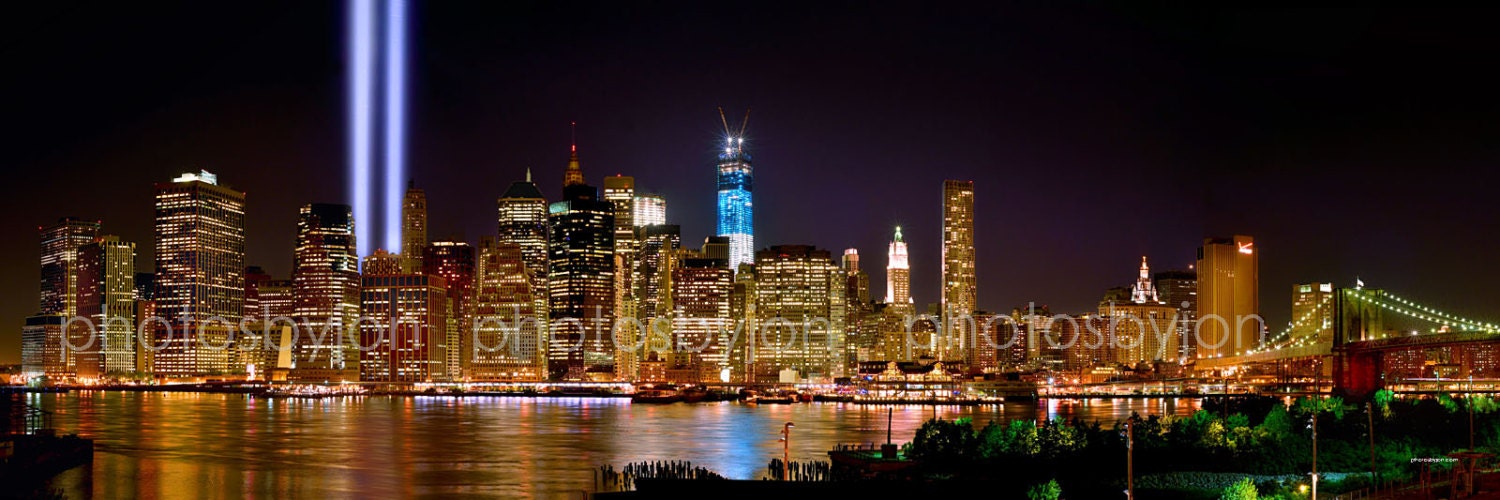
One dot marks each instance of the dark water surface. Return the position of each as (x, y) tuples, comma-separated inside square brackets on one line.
[(181, 445)]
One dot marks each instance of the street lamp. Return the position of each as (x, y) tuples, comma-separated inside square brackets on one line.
[(786, 446), (1129, 460), (1314, 425)]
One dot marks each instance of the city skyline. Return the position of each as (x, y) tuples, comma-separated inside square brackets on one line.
[(674, 158)]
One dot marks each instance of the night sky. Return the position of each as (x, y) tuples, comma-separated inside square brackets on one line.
[(1348, 143)]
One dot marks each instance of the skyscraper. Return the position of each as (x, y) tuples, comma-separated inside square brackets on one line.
[(413, 229), (620, 192), (403, 328), (106, 297), (1312, 311), (856, 305), (898, 277), (325, 294), (506, 341), (523, 221), (60, 242), (454, 261), (701, 290), (581, 279), (1179, 289), (650, 210), (658, 248), (959, 283), (42, 350), (736, 213), (200, 264), (800, 304), (1228, 297)]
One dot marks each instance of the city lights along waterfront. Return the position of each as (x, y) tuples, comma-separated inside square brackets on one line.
[(948, 248)]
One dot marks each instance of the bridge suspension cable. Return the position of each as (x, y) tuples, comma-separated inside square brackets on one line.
[(1285, 334), (1424, 313)]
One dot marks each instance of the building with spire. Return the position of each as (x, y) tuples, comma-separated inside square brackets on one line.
[(736, 212), (898, 276), (581, 279), (1144, 290)]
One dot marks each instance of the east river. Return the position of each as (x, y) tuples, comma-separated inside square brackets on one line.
[(189, 445)]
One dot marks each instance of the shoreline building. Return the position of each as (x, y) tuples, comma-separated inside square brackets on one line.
[(581, 280), (454, 262), (508, 333), (325, 295), (106, 297), (522, 221), (1228, 297), (701, 290), (403, 325), (200, 274), (898, 277), (800, 307)]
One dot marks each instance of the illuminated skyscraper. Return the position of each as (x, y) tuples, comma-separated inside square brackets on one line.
[(413, 229), (106, 297), (898, 277), (60, 244), (736, 213), (650, 210), (701, 290), (800, 305), (403, 328), (507, 336), (1179, 289), (1312, 311), (856, 305), (1228, 297), (200, 264), (325, 294), (523, 221), (620, 191), (42, 350), (959, 284), (376, 144), (581, 280), (454, 261), (658, 248), (743, 318), (1144, 291)]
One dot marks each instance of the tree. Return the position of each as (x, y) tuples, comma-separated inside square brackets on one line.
[(1045, 491), (941, 440), (1240, 490)]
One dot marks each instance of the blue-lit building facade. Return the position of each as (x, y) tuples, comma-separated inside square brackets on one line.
[(736, 220)]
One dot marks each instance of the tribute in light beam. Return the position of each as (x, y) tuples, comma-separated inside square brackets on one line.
[(361, 92), (377, 120), (395, 120)]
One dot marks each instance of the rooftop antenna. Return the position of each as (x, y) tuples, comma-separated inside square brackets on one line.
[(724, 120), (573, 126), (745, 123)]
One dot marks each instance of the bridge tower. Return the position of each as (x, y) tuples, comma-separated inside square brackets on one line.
[(1356, 318)]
